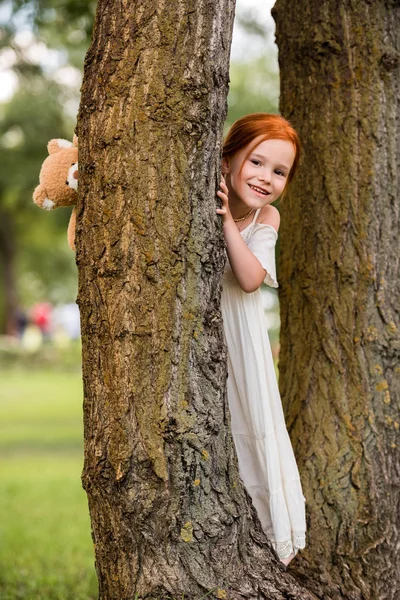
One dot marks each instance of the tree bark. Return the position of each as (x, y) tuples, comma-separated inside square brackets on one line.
[(170, 517), (340, 289)]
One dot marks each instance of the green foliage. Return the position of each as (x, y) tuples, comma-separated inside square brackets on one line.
[(254, 85), (249, 22), (65, 25), (254, 88), (46, 550), (28, 121)]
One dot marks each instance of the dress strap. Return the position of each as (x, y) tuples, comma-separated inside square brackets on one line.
[(247, 231), (250, 230), (255, 216)]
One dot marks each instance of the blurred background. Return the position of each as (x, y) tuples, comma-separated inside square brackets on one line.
[(46, 550)]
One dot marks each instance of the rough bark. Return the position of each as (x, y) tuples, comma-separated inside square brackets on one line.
[(340, 289), (169, 514)]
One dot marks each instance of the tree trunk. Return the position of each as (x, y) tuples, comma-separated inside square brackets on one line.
[(340, 288), (169, 514)]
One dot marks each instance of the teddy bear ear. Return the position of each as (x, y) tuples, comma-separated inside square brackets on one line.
[(57, 145), (75, 140)]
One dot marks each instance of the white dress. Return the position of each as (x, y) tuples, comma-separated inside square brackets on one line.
[(267, 464)]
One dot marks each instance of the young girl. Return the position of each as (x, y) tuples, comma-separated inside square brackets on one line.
[(259, 159)]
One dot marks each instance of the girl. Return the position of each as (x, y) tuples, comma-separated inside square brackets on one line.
[(259, 159)]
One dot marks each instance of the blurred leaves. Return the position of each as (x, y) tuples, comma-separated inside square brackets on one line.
[(254, 88), (249, 22), (64, 25)]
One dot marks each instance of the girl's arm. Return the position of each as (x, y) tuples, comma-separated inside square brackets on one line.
[(245, 266)]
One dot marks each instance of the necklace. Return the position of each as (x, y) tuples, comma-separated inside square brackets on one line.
[(243, 218)]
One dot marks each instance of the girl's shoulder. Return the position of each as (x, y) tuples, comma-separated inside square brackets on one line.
[(269, 215)]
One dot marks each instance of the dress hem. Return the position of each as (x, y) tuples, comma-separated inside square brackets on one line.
[(286, 548)]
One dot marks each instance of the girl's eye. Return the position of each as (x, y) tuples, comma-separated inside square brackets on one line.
[(279, 172), (255, 162)]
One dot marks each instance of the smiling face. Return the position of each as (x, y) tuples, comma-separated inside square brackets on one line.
[(259, 178)]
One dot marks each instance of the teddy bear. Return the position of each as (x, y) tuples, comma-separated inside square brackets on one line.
[(59, 180)]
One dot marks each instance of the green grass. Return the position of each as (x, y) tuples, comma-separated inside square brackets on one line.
[(46, 551)]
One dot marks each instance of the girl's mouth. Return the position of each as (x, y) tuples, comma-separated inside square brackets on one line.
[(258, 190)]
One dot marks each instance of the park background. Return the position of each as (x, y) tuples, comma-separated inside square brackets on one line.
[(46, 550)]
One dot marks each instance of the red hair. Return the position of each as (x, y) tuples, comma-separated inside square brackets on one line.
[(266, 127)]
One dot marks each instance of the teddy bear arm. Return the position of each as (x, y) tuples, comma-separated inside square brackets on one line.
[(40, 198), (71, 230)]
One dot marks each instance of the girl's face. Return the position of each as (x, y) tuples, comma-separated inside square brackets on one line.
[(264, 173)]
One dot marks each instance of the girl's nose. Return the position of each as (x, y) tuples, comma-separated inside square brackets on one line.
[(265, 175)]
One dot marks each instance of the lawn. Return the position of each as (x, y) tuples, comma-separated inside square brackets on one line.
[(46, 551)]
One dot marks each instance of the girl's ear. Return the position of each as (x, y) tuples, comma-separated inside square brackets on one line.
[(225, 167)]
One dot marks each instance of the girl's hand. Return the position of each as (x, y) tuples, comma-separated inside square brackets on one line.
[(223, 194)]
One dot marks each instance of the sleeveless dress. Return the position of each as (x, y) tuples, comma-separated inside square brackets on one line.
[(267, 464)]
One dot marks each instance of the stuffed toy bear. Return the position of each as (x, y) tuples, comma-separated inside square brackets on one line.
[(59, 180)]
